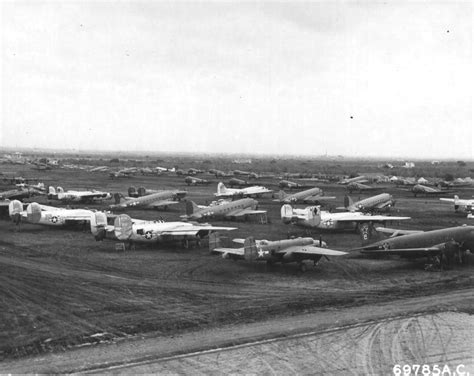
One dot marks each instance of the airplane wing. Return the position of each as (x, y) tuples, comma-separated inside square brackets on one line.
[(242, 212), (371, 218), (396, 232), (448, 199), (312, 250), (160, 204), (235, 252), (403, 251), (314, 199), (195, 230)]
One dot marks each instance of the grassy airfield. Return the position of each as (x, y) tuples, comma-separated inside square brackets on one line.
[(62, 289)]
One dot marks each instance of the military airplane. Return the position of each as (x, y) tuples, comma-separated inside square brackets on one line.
[(378, 203), (234, 182), (124, 173), (312, 195), (99, 169), (141, 231), (219, 173), (241, 173), (77, 196), (357, 179), (442, 246), (141, 191), (356, 186), (191, 180), (254, 191), (21, 193), (420, 189), (225, 210), (460, 205), (194, 171), (314, 217), (289, 184), (161, 199), (47, 215), (284, 251)]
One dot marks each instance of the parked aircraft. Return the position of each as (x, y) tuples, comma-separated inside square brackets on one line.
[(157, 200), (194, 171), (234, 182), (314, 217), (241, 173), (460, 205), (378, 203), (20, 193), (226, 210), (284, 251), (443, 247), (219, 173), (190, 180), (47, 215), (124, 173), (132, 230), (141, 191), (356, 186), (289, 184), (99, 169), (312, 195), (357, 179), (254, 191), (419, 189), (77, 196)]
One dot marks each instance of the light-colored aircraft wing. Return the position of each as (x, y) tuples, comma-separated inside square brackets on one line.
[(193, 231), (403, 251), (448, 199), (239, 252), (396, 232), (312, 250), (371, 218), (242, 212)]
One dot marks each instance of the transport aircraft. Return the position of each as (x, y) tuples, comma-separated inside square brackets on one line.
[(124, 173), (314, 217), (77, 196), (161, 199), (289, 184), (47, 215), (142, 191), (225, 210), (234, 182), (219, 173), (132, 230), (21, 193), (194, 171), (378, 203), (255, 191), (443, 247), (312, 195), (357, 179), (459, 204), (283, 251), (191, 180), (420, 189), (356, 186), (99, 169)]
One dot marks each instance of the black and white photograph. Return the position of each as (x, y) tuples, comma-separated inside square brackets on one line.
[(237, 187)]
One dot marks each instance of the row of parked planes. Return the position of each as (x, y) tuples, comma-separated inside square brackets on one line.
[(442, 247)]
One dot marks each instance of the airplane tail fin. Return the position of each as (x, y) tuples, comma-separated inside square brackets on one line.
[(250, 249), (51, 191), (141, 191), (123, 227), (60, 190), (15, 208), (98, 225), (132, 192), (221, 189), (33, 212), (191, 207), (347, 201), (117, 198), (286, 212), (456, 197), (282, 195)]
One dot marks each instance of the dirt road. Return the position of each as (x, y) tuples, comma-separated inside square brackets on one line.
[(367, 340)]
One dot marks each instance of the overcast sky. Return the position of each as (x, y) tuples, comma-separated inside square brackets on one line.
[(373, 78)]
